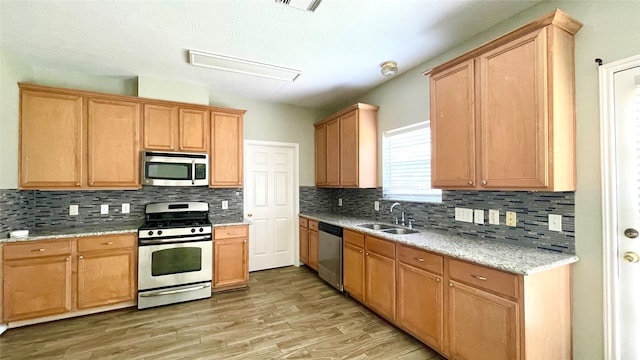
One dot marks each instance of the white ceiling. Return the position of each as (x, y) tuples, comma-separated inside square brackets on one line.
[(338, 47)]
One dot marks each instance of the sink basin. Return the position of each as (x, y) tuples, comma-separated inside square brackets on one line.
[(400, 231), (377, 226)]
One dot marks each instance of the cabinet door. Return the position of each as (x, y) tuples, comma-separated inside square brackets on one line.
[(380, 285), (304, 245), (513, 118), (313, 249), (51, 148), (453, 135), (231, 267), (353, 271), (321, 154), (420, 304), (194, 130), (113, 144), (482, 325), (349, 145), (333, 152), (36, 287), (160, 127), (226, 150), (106, 277)]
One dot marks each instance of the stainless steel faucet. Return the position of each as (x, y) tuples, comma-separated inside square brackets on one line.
[(401, 212)]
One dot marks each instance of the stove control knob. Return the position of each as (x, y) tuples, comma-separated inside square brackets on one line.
[(150, 233), (201, 230), (193, 230), (159, 232)]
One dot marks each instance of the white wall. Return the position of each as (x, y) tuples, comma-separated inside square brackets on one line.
[(611, 31)]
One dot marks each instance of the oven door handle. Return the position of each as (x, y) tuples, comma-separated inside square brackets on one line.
[(176, 291), (174, 240)]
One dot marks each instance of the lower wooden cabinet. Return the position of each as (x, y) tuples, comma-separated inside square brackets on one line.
[(230, 257), (353, 275), (39, 277), (380, 277), (309, 238)]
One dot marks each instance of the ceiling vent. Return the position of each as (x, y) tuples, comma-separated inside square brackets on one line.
[(306, 5), (242, 66)]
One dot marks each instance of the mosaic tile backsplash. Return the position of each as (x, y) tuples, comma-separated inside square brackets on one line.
[(36, 209), (532, 209)]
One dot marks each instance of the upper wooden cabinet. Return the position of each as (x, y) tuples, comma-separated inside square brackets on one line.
[(346, 149), (503, 115), (174, 128), (72, 140), (226, 149)]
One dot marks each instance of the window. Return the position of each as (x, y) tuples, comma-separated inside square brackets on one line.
[(406, 164)]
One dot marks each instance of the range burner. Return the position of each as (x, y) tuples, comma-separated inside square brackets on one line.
[(175, 220)]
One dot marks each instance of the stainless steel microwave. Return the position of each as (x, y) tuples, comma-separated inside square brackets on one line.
[(174, 169)]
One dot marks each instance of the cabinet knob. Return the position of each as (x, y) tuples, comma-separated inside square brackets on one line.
[(80, 257), (108, 243), (451, 284), (77, 184), (66, 259), (360, 251), (91, 183), (419, 259), (366, 253), (437, 279), (470, 182), (484, 182), (245, 240), (38, 250)]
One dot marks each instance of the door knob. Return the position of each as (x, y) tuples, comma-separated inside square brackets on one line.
[(249, 214), (631, 257), (631, 233)]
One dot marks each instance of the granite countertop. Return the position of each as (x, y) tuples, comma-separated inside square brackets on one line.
[(103, 229), (510, 258)]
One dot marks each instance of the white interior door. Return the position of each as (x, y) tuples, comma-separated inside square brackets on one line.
[(622, 210), (271, 203)]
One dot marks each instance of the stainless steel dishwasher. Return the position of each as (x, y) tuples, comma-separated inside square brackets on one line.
[(330, 254)]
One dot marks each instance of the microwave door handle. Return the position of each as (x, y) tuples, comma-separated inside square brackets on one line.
[(193, 172)]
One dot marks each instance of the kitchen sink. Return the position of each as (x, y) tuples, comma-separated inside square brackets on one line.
[(377, 226), (400, 231)]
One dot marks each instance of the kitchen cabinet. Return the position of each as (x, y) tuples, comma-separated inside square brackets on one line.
[(353, 264), (380, 277), (107, 270), (77, 140), (230, 257), (348, 155), (503, 115), (420, 295), (226, 149), (56, 277), (175, 128), (309, 242)]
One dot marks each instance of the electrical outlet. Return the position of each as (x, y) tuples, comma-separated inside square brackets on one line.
[(511, 218), (555, 222), (376, 205), (494, 217), (104, 209), (458, 214), (73, 210), (339, 201), (126, 208), (478, 216), (225, 204)]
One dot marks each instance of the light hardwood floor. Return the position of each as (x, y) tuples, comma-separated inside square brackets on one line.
[(286, 313)]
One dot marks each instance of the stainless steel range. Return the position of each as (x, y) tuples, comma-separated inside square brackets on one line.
[(175, 250)]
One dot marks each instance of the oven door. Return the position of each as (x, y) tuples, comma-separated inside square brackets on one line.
[(172, 264)]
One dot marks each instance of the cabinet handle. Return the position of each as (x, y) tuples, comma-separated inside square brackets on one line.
[(479, 277), (38, 250), (419, 259), (107, 243), (231, 234), (484, 182), (470, 182), (80, 257)]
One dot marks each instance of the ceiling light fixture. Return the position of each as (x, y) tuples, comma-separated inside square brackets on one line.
[(389, 68), (306, 5), (242, 66)]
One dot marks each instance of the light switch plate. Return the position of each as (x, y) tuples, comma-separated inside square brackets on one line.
[(555, 222), (126, 208), (511, 218), (225, 204), (464, 214), (73, 210), (494, 217), (478, 216), (339, 201), (104, 209), (376, 205)]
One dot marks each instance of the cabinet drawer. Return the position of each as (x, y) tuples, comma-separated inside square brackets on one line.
[(485, 278), (106, 242), (313, 225), (421, 259), (34, 249), (303, 221), (353, 238), (380, 247), (228, 232)]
